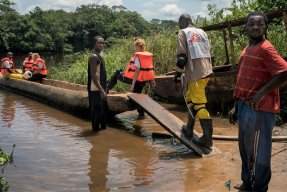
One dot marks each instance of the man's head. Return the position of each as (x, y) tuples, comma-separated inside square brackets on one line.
[(30, 54), (256, 24), (10, 54), (184, 21), (99, 43)]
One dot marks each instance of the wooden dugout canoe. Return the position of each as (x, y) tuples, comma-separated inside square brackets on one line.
[(66, 96), (219, 89)]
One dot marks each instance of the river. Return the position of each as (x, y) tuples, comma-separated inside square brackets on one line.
[(56, 151)]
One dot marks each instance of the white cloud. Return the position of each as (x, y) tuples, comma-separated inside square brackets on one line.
[(203, 11), (149, 15), (149, 9), (171, 11), (148, 4), (110, 2), (67, 5)]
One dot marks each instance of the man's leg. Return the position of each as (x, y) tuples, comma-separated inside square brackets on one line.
[(262, 168), (95, 108), (138, 89), (104, 114), (243, 124), (197, 96), (37, 77), (255, 141)]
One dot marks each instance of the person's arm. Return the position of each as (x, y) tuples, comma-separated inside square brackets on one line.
[(181, 51), (181, 58), (40, 66), (137, 71), (276, 82), (94, 62), (233, 113), (23, 67)]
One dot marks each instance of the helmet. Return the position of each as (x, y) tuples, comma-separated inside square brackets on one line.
[(10, 54), (27, 74)]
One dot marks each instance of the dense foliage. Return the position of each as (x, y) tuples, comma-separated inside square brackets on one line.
[(5, 158), (60, 31)]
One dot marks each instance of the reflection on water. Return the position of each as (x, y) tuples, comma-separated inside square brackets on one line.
[(8, 111), (59, 152)]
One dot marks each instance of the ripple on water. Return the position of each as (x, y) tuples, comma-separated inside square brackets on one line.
[(47, 156)]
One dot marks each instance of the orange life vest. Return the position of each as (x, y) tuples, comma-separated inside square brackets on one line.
[(4, 71), (36, 68), (28, 64), (146, 72)]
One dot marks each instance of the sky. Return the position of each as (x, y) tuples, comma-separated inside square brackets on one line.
[(149, 9)]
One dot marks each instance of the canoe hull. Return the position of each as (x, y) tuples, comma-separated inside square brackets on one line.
[(219, 90), (73, 98)]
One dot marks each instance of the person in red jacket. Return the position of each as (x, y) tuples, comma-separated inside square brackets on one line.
[(7, 64), (261, 71), (140, 70), (28, 63), (39, 68)]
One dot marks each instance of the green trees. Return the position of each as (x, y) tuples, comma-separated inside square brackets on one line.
[(61, 31)]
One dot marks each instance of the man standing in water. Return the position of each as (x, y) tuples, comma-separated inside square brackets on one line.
[(193, 58), (261, 72), (97, 81)]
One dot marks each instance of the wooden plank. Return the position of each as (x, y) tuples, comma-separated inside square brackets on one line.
[(241, 21), (231, 45), (171, 123), (225, 47)]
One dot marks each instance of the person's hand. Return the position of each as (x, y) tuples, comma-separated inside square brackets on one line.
[(177, 77), (233, 115), (18, 71), (177, 81), (153, 84), (103, 95), (253, 101)]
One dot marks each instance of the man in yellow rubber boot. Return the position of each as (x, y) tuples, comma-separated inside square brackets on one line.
[(194, 60)]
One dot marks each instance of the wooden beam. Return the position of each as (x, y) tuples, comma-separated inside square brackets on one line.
[(231, 45), (238, 22), (225, 47)]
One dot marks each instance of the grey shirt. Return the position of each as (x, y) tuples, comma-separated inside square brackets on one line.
[(195, 69)]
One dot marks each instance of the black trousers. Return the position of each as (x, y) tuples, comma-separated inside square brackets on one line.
[(37, 77), (138, 88), (99, 111)]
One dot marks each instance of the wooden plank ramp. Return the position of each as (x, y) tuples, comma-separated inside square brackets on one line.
[(171, 123)]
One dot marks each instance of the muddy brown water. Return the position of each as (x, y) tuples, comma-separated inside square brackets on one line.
[(58, 152)]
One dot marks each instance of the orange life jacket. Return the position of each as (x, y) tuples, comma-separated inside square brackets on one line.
[(36, 68), (4, 71), (28, 64), (146, 72)]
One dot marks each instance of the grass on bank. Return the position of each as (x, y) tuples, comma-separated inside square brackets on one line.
[(163, 46)]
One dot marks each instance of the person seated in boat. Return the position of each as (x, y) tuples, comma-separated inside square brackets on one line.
[(7, 64), (39, 68), (28, 63)]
